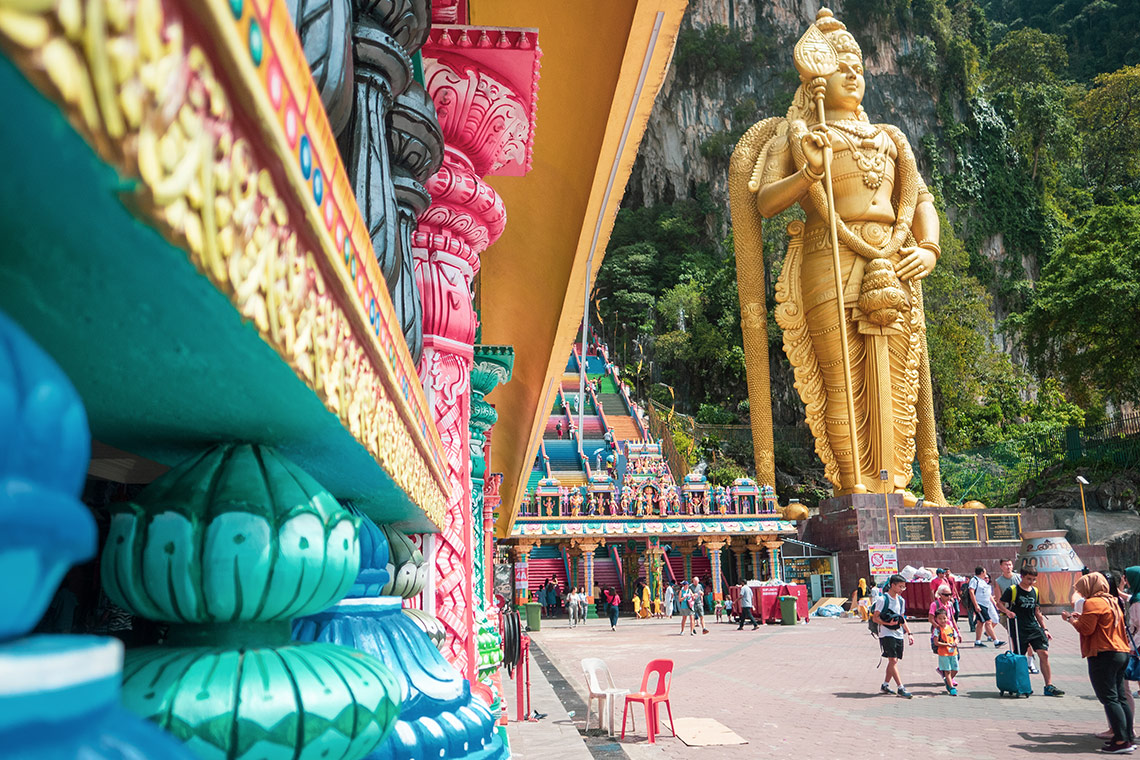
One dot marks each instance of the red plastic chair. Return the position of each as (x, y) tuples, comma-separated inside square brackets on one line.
[(663, 669)]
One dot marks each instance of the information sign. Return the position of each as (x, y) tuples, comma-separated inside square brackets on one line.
[(914, 529), (960, 529), (883, 559), (1004, 528)]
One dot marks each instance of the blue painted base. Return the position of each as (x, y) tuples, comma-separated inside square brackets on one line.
[(60, 701), (439, 717)]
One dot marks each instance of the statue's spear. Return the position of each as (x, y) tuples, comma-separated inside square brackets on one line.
[(815, 57)]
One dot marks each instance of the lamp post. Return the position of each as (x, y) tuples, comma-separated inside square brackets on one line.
[(883, 474), (1081, 483)]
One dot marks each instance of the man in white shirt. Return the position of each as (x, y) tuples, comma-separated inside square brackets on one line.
[(980, 593), (746, 607), (889, 612)]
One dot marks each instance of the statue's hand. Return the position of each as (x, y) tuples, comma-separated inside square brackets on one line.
[(916, 263), (815, 143)]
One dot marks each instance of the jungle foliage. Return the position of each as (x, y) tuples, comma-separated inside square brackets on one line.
[(1033, 310)]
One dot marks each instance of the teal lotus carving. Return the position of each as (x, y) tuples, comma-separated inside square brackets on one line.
[(299, 702), (429, 624), (406, 565), (236, 534)]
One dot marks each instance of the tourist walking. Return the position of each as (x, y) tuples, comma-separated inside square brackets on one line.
[(1132, 604), (698, 604), (746, 607), (889, 613), (979, 594), (572, 606), (685, 595), (948, 638), (558, 429), (670, 595), (1020, 603), (613, 599), (943, 602), (1105, 647), (1005, 579)]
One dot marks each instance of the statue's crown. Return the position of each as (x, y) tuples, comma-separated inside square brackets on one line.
[(836, 33)]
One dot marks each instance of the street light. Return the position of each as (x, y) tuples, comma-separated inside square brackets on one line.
[(1081, 483)]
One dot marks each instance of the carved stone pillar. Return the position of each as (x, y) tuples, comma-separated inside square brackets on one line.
[(714, 548), (588, 548), (756, 550), (773, 547), (687, 554), (738, 554), (654, 559), (487, 127), (520, 552)]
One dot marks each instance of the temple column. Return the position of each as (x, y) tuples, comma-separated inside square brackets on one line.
[(520, 552), (491, 503), (588, 548), (714, 548), (756, 549), (773, 547), (654, 556), (738, 555), (486, 125), (687, 554)]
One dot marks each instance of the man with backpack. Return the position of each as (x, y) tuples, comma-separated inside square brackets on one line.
[(888, 622), (979, 594), (1020, 604)]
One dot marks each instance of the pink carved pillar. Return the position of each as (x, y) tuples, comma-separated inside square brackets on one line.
[(487, 127)]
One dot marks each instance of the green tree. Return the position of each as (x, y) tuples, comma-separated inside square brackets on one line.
[(1110, 117), (1026, 77), (1082, 326)]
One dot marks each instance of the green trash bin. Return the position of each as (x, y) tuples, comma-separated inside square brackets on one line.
[(787, 610), (533, 616)]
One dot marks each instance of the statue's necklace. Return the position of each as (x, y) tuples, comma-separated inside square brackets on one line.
[(869, 156)]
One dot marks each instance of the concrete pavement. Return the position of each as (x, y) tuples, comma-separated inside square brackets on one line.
[(812, 691)]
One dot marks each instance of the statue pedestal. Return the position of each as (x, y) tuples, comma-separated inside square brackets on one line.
[(866, 521)]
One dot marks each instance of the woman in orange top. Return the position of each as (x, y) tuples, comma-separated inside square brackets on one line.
[(1103, 643)]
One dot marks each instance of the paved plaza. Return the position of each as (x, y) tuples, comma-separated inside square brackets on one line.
[(806, 691)]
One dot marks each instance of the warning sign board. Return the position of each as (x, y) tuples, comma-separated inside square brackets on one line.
[(883, 558)]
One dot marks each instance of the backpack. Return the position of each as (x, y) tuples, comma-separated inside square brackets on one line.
[(872, 626)]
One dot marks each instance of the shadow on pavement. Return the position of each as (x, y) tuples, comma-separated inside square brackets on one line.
[(1060, 744)]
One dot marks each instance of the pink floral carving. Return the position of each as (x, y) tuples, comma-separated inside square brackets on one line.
[(480, 115)]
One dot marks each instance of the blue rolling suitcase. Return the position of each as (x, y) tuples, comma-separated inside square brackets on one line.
[(1012, 670)]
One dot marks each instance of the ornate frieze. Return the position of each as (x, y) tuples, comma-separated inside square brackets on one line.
[(261, 204)]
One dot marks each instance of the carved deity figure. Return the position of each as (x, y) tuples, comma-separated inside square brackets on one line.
[(857, 341)]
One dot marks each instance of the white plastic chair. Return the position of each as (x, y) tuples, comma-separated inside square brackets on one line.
[(600, 685)]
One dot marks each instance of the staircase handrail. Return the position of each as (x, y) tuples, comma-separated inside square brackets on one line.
[(598, 407), (660, 427), (617, 567), (629, 405), (566, 567), (545, 457)]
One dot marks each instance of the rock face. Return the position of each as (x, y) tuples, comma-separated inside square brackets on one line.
[(708, 101)]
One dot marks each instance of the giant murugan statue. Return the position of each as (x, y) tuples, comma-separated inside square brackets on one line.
[(849, 296)]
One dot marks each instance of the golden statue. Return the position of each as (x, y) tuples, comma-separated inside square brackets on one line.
[(849, 295)]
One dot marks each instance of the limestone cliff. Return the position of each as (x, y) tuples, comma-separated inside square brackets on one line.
[(701, 110)]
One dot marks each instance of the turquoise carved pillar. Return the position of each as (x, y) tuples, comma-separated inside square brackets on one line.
[(59, 694), (228, 548), (439, 715), (491, 365)]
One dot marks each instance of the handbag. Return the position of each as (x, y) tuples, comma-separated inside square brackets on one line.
[(1132, 669)]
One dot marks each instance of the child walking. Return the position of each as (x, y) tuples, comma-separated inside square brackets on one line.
[(948, 640)]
